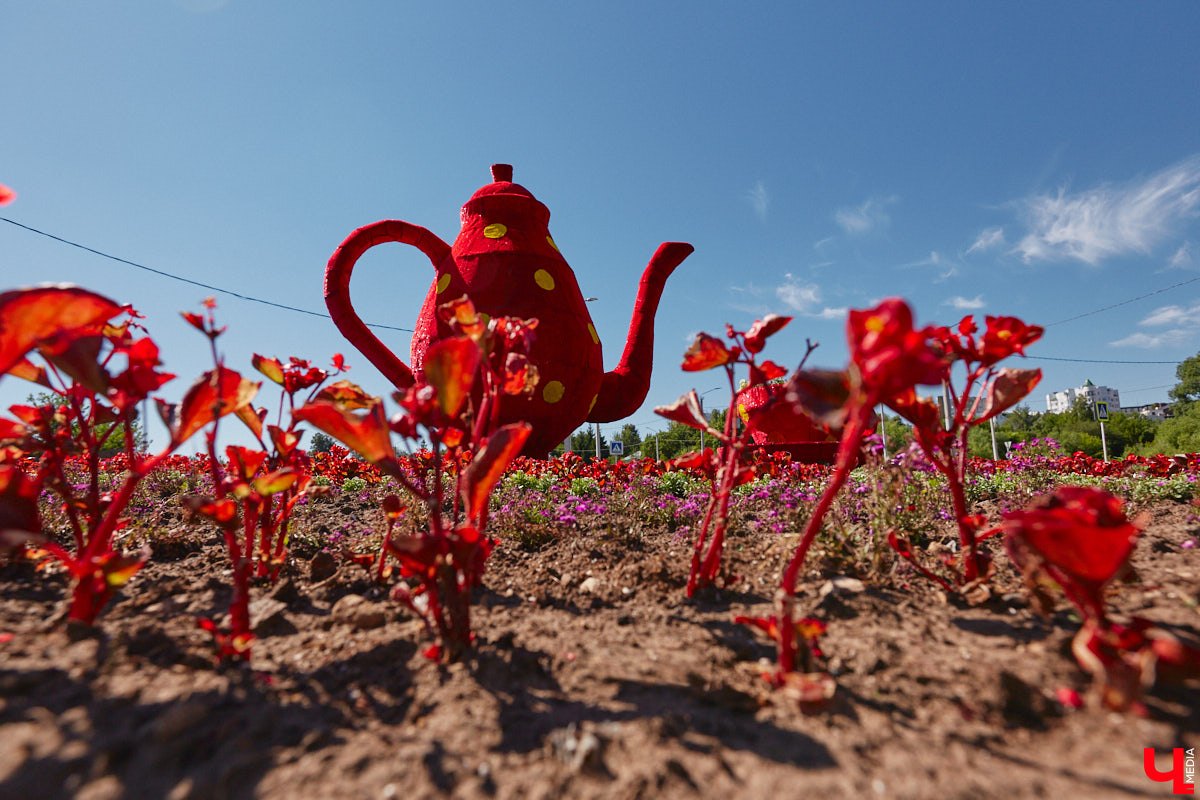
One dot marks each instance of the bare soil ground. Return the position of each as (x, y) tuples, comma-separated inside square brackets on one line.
[(593, 677)]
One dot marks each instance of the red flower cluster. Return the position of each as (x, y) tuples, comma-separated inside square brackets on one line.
[(890, 354)]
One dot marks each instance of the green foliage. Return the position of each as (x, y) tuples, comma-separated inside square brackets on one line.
[(585, 487), (1187, 391), (321, 443), (630, 437), (899, 433), (525, 482), (114, 436), (1180, 434), (351, 485), (680, 484), (1019, 420), (583, 442)]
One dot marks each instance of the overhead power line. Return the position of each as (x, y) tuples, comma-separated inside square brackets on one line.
[(189, 280), (1096, 360), (380, 326), (1118, 305)]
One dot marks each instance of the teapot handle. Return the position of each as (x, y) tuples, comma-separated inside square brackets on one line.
[(337, 288)]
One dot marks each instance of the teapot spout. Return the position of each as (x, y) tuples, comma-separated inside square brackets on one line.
[(624, 389)]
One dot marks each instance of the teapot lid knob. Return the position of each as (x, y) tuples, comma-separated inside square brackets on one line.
[(502, 172)]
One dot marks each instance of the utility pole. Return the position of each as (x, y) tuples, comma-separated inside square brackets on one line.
[(597, 424)]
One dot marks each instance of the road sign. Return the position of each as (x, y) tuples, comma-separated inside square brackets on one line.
[(617, 448), (1102, 410)]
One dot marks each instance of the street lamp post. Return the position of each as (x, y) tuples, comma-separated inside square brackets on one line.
[(709, 391)]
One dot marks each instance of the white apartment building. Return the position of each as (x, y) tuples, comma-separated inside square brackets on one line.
[(1058, 402)]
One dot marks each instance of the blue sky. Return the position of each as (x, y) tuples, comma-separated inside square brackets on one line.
[(1032, 159)]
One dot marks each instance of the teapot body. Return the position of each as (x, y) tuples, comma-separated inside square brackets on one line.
[(505, 260)]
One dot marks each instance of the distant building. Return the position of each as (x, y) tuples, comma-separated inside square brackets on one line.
[(1154, 411), (1058, 402)]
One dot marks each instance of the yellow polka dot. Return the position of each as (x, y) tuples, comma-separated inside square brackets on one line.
[(544, 279), (443, 282), (592, 331), (550, 239), (495, 230), (553, 392), (592, 404)]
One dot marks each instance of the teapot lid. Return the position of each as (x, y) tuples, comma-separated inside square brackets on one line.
[(502, 192)]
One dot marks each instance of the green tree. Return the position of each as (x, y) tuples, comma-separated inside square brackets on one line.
[(676, 440), (321, 443), (1178, 434), (583, 442), (114, 441), (899, 433), (630, 437), (1020, 419), (1187, 391)]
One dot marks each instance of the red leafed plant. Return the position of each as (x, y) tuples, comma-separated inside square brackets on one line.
[(99, 371), (455, 408), (1078, 539), (256, 489), (724, 468), (888, 357), (986, 392)]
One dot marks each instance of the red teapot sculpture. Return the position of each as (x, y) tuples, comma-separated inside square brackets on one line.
[(505, 260)]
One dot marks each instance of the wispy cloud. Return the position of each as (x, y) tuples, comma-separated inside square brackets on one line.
[(1182, 325), (805, 299), (1148, 341), (987, 239), (946, 269), (1183, 258), (965, 304), (1111, 220), (759, 199), (857, 220)]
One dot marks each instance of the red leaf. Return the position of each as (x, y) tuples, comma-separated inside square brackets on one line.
[(820, 394), (276, 482), (761, 329), (19, 519), (489, 464), (269, 367), (707, 352), (1083, 536), (28, 316), (7, 195), (244, 461), (215, 394), (685, 410), (347, 395), (1007, 389), (366, 434), (253, 417), (450, 367), (285, 441)]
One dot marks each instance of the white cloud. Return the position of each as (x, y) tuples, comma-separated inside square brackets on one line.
[(1173, 315), (1092, 225), (1148, 342), (987, 239), (946, 269), (1183, 257), (759, 199), (805, 299), (863, 218), (965, 304), (1181, 323)]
